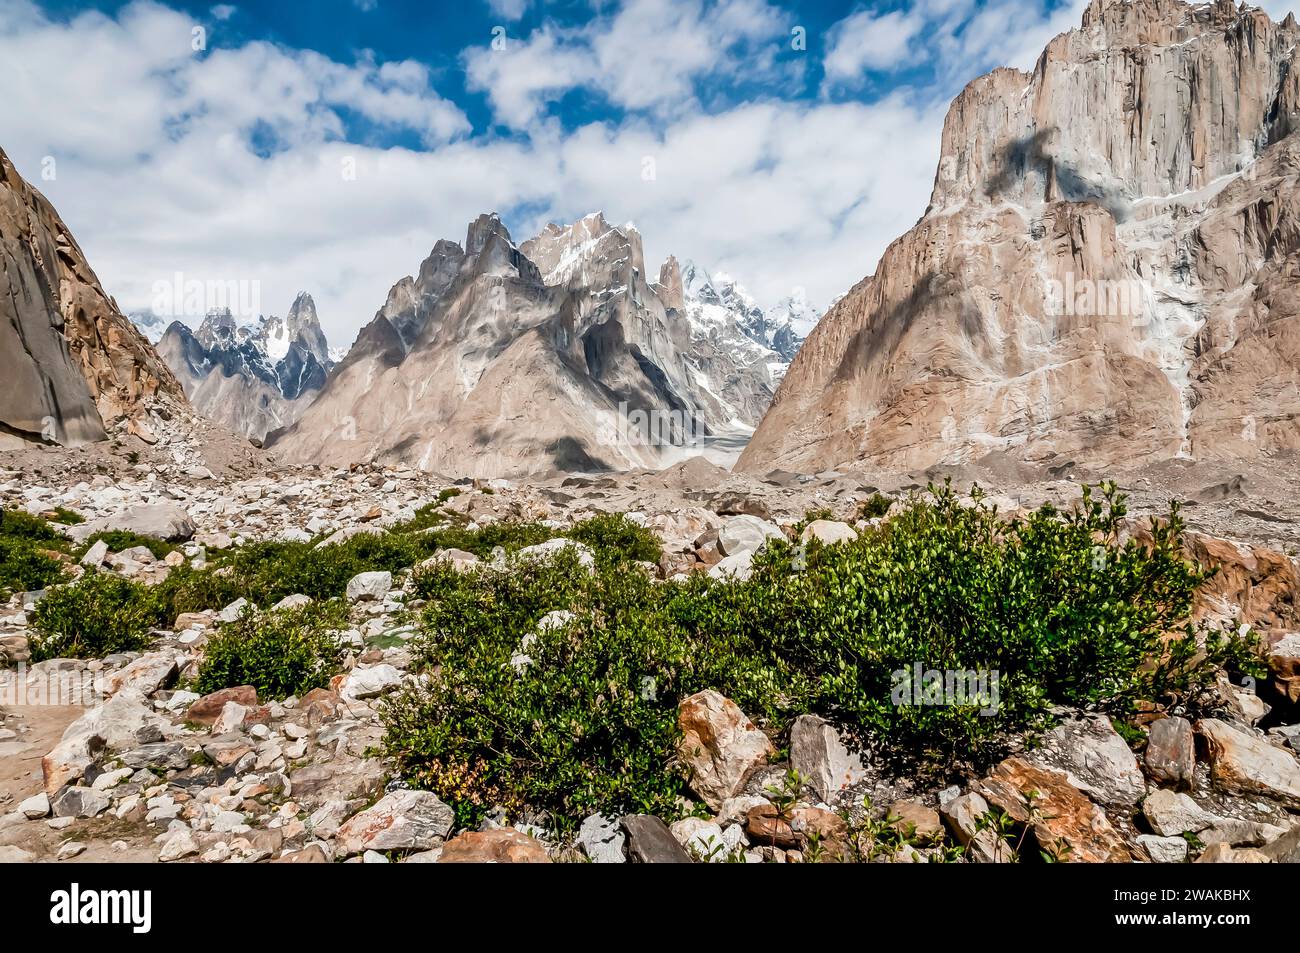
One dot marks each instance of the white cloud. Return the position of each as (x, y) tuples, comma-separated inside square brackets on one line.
[(366, 6), (867, 41), (223, 11), (158, 170), (510, 10), (647, 54)]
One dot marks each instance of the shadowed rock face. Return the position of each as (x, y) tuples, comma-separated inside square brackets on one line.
[(70, 362), (1106, 271), (500, 360)]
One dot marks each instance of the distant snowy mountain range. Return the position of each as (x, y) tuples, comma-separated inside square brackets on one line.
[(253, 378)]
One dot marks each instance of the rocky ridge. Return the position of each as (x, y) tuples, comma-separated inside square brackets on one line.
[(74, 367), (556, 354), (1103, 271)]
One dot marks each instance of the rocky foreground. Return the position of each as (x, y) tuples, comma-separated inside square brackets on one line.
[(153, 771)]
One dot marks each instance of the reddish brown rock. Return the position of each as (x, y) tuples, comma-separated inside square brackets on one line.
[(719, 746), (1063, 822), (766, 826), (504, 845), (208, 709)]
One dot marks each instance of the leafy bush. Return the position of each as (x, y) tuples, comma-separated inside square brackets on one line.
[(96, 616), (17, 524), (119, 539), (28, 548), (586, 721), (1055, 604), (281, 653), (67, 517), (875, 506), (25, 567), (614, 537)]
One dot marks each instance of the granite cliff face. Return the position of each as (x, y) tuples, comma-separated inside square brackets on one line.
[(252, 379), (499, 360), (71, 364), (1105, 273)]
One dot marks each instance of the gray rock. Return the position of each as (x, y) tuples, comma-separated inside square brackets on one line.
[(738, 567), (79, 802), (232, 612), (1170, 757), (602, 840), (369, 586), (160, 754), (1170, 813), (817, 753), (402, 820), (165, 521), (828, 532), (95, 555), (1164, 850), (746, 534), (1095, 759), (651, 842), (36, 806)]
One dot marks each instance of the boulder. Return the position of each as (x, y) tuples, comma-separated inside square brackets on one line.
[(458, 559), (651, 842), (121, 722), (602, 840), (705, 839), (819, 756), (921, 824), (1062, 820), (146, 674), (719, 746), (1223, 854), (369, 682), (1243, 763), (79, 802), (36, 806), (738, 567), (1172, 814), (828, 532), (1170, 757), (1163, 850), (207, 710), (402, 820), (746, 534), (503, 845), (165, 521), (552, 547), (1095, 759), (232, 612), (95, 555), (369, 586)]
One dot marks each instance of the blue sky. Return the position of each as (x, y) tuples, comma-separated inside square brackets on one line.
[(326, 146)]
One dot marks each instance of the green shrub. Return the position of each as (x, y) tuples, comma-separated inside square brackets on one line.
[(67, 517), (18, 524), (875, 506), (25, 567), (96, 616), (119, 539), (587, 722), (616, 538), (281, 653), (1057, 605)]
